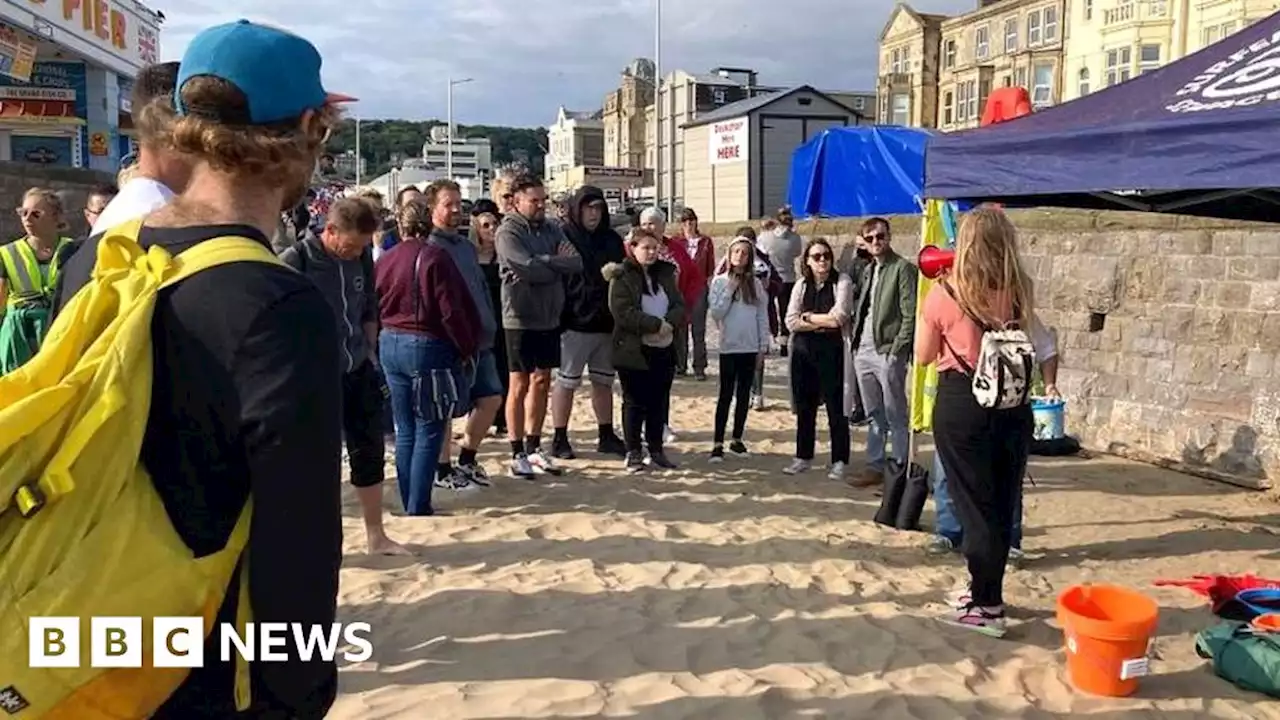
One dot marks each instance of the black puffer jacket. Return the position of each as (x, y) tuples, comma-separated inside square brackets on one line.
[(586, 306)]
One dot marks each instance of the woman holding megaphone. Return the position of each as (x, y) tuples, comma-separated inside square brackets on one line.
[(972, 328)]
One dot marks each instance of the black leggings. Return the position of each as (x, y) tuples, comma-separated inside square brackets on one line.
[(737, 370), (362, 404), (646, 399), (817, 378), (984, 453)]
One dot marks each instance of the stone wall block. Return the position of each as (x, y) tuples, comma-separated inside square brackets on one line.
[(1232, 295), (1253, 268), (1265, 296)]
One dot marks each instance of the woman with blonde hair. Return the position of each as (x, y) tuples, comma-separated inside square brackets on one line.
[(983, 449), (29, 268), (484, 232)]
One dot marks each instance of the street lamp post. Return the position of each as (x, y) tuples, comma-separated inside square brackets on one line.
[(358, 149), (448, 148), (657, 103)]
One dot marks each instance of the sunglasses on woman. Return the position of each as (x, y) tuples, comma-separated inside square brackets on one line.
[(820, 256), (32, 213)]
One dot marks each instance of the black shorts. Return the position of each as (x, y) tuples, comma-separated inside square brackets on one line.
[(530, 350), (362, 403)]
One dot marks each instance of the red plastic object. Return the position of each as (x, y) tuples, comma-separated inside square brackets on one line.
[(1220, 588)]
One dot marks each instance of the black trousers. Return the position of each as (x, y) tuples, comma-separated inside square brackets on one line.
[(362, 405), (783, 299), (984, 453), (817, 378), (646, 399), (737, 371), (504, 374)]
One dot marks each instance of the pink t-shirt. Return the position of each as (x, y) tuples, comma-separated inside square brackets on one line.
[(943, 315)]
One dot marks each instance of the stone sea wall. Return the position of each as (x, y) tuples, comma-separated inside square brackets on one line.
[(73, 184), (1168, 331)]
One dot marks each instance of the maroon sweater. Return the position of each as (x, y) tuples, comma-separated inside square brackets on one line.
[(447, 311)]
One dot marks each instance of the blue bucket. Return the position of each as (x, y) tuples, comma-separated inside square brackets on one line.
[(1050, 418)]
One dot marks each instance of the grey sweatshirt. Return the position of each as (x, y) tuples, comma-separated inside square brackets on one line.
[(532, 272), (783, 247), (348, 286), (743, 328), (468, 261)]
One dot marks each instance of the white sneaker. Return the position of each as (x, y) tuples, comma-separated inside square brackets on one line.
[(456, 481), (542, 464), (797, 466), (520, 467), (757, 402), (670, 435), (837, 471)]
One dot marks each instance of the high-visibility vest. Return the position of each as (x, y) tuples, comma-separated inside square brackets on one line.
[(22, 271)]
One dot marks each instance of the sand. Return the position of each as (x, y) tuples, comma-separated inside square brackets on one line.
[(735, 592)]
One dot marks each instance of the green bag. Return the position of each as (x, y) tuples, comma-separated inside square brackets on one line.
[(1249, 659), (21, 332)]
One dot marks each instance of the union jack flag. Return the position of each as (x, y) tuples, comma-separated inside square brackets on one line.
[(147, 46)]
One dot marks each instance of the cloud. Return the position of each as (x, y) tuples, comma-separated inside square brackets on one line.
[(528, 59)]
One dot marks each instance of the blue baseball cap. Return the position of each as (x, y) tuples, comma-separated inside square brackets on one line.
[(278, 72)]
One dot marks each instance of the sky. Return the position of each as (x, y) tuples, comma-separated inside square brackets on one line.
[(397, 56)]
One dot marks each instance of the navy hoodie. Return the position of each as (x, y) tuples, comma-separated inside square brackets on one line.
[(586, 306)]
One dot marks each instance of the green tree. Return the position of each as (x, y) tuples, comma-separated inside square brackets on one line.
[(381, 140)]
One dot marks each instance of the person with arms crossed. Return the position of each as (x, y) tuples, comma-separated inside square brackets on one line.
[(534, 257), (246, 399)]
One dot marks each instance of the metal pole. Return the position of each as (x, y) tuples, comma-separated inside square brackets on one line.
[(358, 148), (657, 104), (448, 141)]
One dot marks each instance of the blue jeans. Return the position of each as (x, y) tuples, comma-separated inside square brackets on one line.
[(425, 377), (882, 385), (948, 525)]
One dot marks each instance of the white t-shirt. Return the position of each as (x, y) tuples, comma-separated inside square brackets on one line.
[(140, 196)]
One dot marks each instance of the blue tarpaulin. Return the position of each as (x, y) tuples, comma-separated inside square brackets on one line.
[(1197, 136), (859, 171)]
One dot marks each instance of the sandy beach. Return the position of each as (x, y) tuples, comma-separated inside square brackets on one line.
[(732, 591)]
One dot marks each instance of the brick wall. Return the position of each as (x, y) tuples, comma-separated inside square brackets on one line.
[(73, 184), (1185, 370)]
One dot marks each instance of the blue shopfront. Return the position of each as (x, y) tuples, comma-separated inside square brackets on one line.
[(44, 121)]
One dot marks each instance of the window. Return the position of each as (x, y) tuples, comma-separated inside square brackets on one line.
[(1020, 77), (1119, 62), (963, 90), (948, 108), (901, 109), (897, 58), (949, 54), (971, 101), (1035, 30), (1148, 58), (1088, 9), (1011, 35), (1042, 89), (1158, 8), (1083, 86), (717, 96), (1007, 80), (1051, 24), (982, 43), (984, 91)]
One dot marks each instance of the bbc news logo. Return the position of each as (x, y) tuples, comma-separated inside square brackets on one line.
[(178, 642)]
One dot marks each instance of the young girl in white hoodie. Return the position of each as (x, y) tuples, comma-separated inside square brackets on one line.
[(739, 305)]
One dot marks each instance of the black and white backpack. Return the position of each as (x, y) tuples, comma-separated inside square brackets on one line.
[(1002, 378)]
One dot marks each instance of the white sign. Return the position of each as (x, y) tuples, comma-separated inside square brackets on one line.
[(1249, 76), (121, 35), (728, 141)]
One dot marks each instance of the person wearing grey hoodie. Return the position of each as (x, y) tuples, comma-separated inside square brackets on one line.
[(482, 400), (534, 256), (340, 263), (784, 247)]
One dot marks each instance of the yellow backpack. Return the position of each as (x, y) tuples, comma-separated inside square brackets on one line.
[(83, 532)]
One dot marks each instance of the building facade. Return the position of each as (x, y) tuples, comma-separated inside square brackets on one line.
[(576, 138), (683, 98), (623, 116), (907, 80), (1011, 43), (736, 163), (66, 77), (472, 157), (1110, 41)]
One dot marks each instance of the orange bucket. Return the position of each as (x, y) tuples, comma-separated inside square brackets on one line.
[(1267, 622), (1108, 632)]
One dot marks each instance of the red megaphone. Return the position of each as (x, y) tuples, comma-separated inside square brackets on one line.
[(934, 261)]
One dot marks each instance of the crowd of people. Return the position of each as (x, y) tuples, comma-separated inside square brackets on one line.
[(261, 372)]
